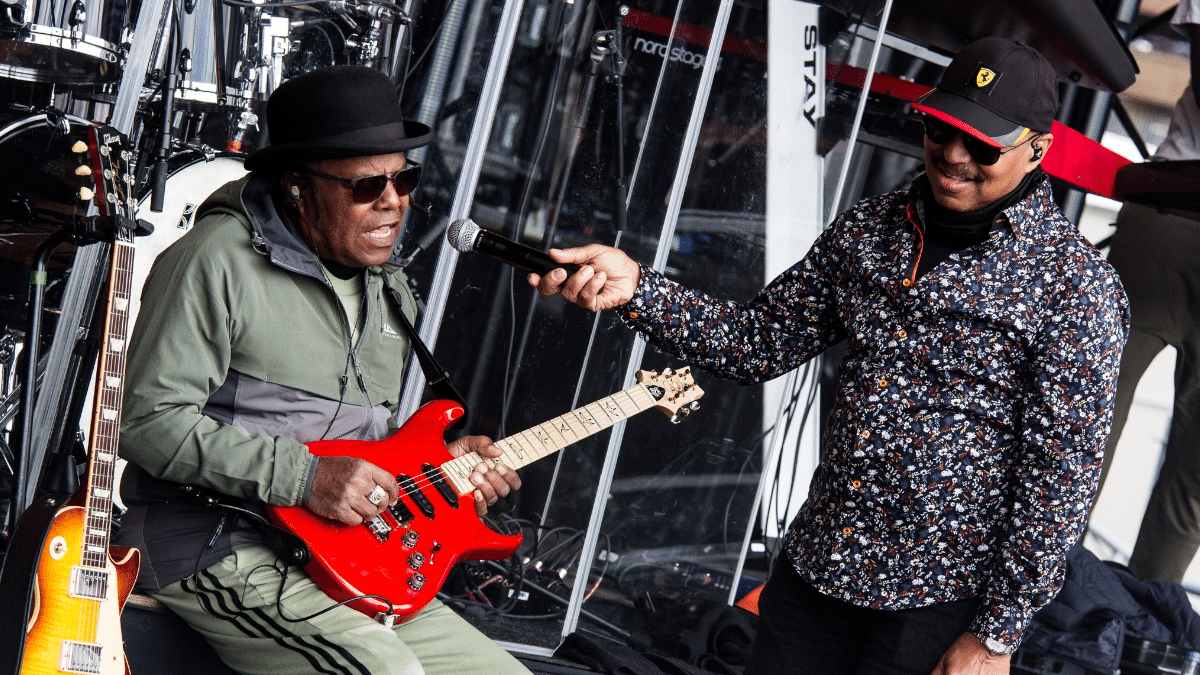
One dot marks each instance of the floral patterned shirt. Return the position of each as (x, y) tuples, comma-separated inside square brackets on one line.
[(963, 451)]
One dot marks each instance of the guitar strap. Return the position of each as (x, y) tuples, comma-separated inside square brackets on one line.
[(435, 375)]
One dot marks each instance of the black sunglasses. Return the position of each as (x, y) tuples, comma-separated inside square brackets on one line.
[(942, 132), (367, 189)]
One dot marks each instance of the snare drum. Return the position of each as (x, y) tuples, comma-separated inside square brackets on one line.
[(68, 42), (185, 189)]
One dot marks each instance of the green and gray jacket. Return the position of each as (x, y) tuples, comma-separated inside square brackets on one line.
[(241, 353)]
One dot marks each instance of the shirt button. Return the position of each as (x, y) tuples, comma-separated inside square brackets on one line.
[(865, 434), (906, 283), (847, 530), (857, 484), (902, 334)]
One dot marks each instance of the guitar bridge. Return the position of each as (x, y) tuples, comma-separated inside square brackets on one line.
[(79, 657), (379, 527)]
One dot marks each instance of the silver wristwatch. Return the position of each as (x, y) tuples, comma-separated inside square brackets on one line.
[(996, 647)]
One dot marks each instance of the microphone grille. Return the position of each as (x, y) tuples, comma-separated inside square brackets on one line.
[(461, 234)]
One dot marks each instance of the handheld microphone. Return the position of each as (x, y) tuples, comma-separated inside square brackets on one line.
[(464, 235)]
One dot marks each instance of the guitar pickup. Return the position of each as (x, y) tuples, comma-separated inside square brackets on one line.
[(439, 481), (414, 493), (401, 513)]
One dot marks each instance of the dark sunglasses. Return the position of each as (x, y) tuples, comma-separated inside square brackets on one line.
[(942, 132), (367, 189)]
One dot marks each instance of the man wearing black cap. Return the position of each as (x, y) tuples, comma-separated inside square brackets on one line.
[(983, 340), (276, 321)]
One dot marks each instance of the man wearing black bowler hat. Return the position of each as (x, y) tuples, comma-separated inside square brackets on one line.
[(983, 340), (275, 321)]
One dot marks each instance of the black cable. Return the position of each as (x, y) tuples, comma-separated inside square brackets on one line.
[(437, 36)]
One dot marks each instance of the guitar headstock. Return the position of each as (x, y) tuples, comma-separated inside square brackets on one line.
[(675, 392), (110, 164)]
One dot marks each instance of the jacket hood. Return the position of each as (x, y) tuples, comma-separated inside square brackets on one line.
[(250, 197)]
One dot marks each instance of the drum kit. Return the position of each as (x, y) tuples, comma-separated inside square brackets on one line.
[(212, 65)]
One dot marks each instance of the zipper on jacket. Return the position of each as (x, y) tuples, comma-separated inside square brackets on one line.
[(912, 279), (367, 418)]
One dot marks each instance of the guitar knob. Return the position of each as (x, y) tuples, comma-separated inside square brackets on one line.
[(416, 581), (416, 560), (410, 538)]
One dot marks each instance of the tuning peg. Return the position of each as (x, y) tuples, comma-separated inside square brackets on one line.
[(694, 405), (676, 419), (85, 194), (667, 372), (79, 147), (83, 170), (685, 411)]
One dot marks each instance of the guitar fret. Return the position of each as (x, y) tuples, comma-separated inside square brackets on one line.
[(537, 442), (529, 445)]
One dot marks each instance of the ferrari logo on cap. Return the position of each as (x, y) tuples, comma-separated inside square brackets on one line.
[(984, 77)]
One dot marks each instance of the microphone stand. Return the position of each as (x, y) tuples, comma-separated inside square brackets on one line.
[(158, 179), (601, 46), (604, 43)]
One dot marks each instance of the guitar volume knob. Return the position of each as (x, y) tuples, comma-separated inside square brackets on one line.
[(416, 560), (410, 538), (416, 581)]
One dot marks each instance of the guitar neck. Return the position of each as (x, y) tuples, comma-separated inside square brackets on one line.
[(113, 197), (545, 439), (106, 413)]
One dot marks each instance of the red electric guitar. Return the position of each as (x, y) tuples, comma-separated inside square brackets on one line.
[(405, 553)]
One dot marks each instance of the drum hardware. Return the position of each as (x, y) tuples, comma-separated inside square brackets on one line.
[(158, 177), (246, 119)]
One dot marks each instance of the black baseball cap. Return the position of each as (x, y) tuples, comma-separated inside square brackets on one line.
[(997, 90)]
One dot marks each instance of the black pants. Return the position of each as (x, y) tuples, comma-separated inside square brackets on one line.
[(802, 631)]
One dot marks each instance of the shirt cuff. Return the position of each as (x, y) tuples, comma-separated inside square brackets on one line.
[(1003, 623), (642, 309), (306, 489)]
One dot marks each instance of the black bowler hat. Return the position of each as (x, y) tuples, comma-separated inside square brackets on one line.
[(997, 90), (335, 112)]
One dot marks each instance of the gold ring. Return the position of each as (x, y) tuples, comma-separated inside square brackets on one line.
[(377, 495)]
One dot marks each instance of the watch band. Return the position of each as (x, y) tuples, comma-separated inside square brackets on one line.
[(995, 647)]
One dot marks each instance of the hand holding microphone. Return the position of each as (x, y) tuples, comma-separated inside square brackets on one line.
[(597, 277)]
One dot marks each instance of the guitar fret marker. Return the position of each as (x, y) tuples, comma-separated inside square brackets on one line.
[(116, 345), (108, 414), (112, 382)]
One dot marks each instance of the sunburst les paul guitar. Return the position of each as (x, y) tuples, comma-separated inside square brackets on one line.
[(405, 553), (81, 583)]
